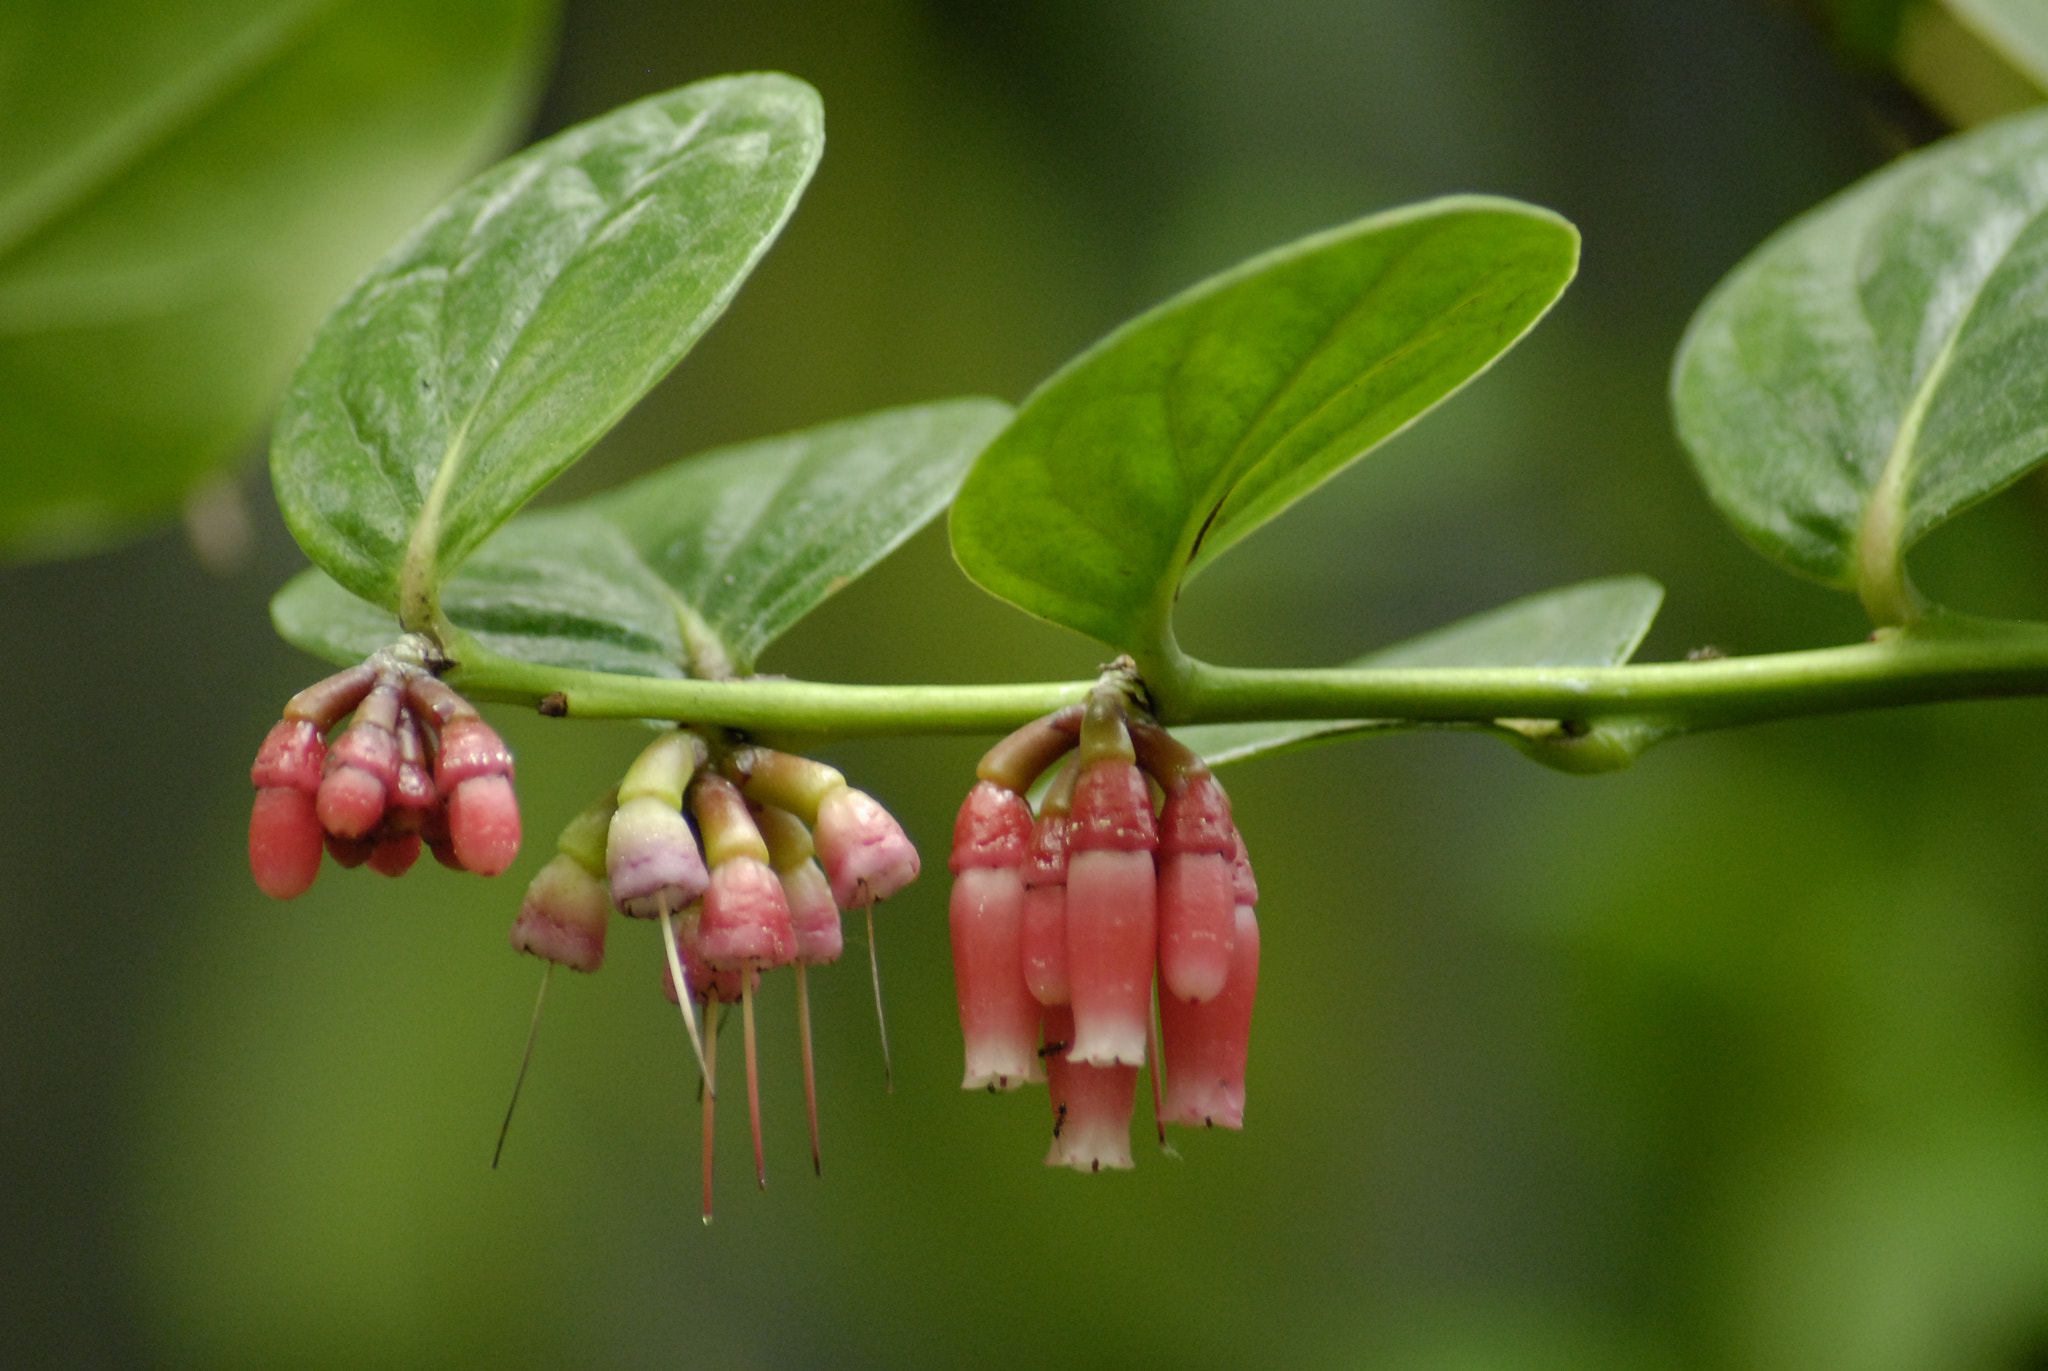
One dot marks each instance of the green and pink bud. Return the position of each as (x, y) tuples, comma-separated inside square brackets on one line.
[(651, 855), (813, 914), (566, 908), (745, 921), (998, 1016), (865, 853)]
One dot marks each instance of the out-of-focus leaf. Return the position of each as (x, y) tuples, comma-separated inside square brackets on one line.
[(516, 326), (1882, 362), (715, 556), (2017, 29), (184, 189), (1595, 623), (1187, 428)]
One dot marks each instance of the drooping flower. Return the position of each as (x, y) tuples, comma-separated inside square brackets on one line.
[(998, 1016)]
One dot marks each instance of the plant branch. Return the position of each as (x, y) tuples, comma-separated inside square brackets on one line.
[(1942, 658)]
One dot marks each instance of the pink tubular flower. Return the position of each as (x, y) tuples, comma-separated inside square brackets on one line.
[(1197, 913), (998, 1016), (1092, 1105), (1042, 937), (1205, 1045), (1112, 919)]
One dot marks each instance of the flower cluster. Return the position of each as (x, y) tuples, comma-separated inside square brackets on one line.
[(414, 765), (746, 856), (1059, 922)]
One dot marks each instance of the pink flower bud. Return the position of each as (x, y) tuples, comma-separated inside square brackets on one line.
[(291, 756), (362, 766), (1091, 1105), (395, 853), (349, 853), (1205, 1045), (1112, 915), (350, 802), (651, 857), (284, 842), (1042, 937), (1197, 911), (705, 983), (470, 748), (483, 824), (563, 916), (865, 853), (998, 1016), (813, 914), (434, 832), (745, 923)]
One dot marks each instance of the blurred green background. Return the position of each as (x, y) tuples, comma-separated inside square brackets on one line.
[(1739, 1059)]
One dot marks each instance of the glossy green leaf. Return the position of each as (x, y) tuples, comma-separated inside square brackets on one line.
[(2018, 29), (184, 190), (1881, 363), (514, 327), (1595, 623), (1177, 435), (699, 565)]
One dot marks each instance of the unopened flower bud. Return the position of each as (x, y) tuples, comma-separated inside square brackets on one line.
[(562, 918), (1092, 1105), (813, 914), (705, 982), (284, 842), (998, 1016), (651, 855), (745, 922), (284, 827), (362, 766), (474, 770), (865, 852)]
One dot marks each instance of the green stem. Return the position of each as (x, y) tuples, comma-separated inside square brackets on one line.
[(1943, 658)]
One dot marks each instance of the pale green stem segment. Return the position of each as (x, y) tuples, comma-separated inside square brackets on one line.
[(1941, 657)]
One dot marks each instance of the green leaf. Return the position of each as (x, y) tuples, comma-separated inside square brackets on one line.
[(693, 569), (1187, 428), (1594, 623), (2017, 29), (184, 190), (514, 327), (1881, 363)]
